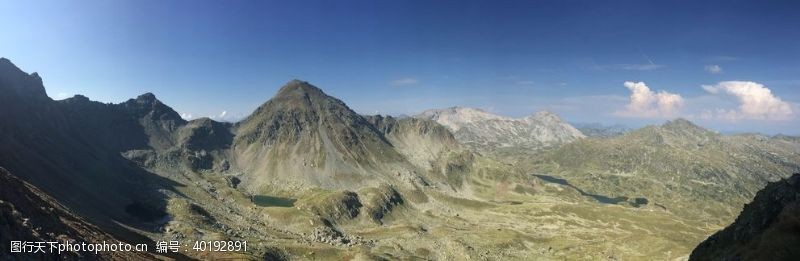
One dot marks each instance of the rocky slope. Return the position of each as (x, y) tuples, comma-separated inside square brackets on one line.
[(28, 214), (487, 132), (421, 141), (767, 229), (302, 137), (597, 130), (678, 165), (72, 148), (137, 169), (304, 177)]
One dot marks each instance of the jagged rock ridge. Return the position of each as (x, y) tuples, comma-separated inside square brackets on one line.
[(488, 132)]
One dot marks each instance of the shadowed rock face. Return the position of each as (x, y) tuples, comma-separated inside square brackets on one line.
[(205, 134), (20, 84), (72, 148), (27, 214), (767, 229), (160, 122)]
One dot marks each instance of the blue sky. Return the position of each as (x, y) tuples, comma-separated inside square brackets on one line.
[(401, 57)]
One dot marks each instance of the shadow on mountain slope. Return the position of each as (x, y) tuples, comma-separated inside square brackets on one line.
[(72, 150), (767, 229)]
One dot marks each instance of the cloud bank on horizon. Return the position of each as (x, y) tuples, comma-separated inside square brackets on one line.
[(755, 102)]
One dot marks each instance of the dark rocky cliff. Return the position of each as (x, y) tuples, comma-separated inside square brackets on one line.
[(767, 229)]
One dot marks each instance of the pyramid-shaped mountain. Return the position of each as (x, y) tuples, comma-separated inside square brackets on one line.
[(304, 137)]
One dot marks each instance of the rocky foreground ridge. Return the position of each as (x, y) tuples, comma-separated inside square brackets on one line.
[(767, 229)]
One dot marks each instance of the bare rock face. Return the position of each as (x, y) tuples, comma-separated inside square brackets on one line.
[(420, 141), (379, 202), (334, 207), (160, 122), (767, 229), (71, 148), (488, 132), (17, 83), (205, 134)]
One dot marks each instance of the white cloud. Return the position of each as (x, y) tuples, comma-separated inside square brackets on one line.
[(710, 89), (713, 68), (62, 95), (756, 101), (186, 116), (404, 81), (220, 117), (645, 103)]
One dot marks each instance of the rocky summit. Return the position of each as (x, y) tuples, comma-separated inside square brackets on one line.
[(305, 177), (488, 132)]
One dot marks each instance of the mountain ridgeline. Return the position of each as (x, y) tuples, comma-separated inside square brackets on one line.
[(488, 132), (680, 166), (305, 177), (138, 166)]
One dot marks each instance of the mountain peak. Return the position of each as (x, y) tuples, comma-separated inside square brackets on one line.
[(7, 67), (299, 96), (681, 124), (307, 129), (147, 103), (488, 131), (14, 81), (147, 97), (6, 62), (544, 115), (298, 87)]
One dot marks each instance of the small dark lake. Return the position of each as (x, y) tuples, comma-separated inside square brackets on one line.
[(270, 201), (599, 198)]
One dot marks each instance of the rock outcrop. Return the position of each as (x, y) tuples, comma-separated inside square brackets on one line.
[(767, 229)]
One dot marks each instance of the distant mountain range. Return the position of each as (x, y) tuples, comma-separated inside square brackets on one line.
[(679, 165), (138, 165), (489, 132), (306, 177), (599, 130)]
